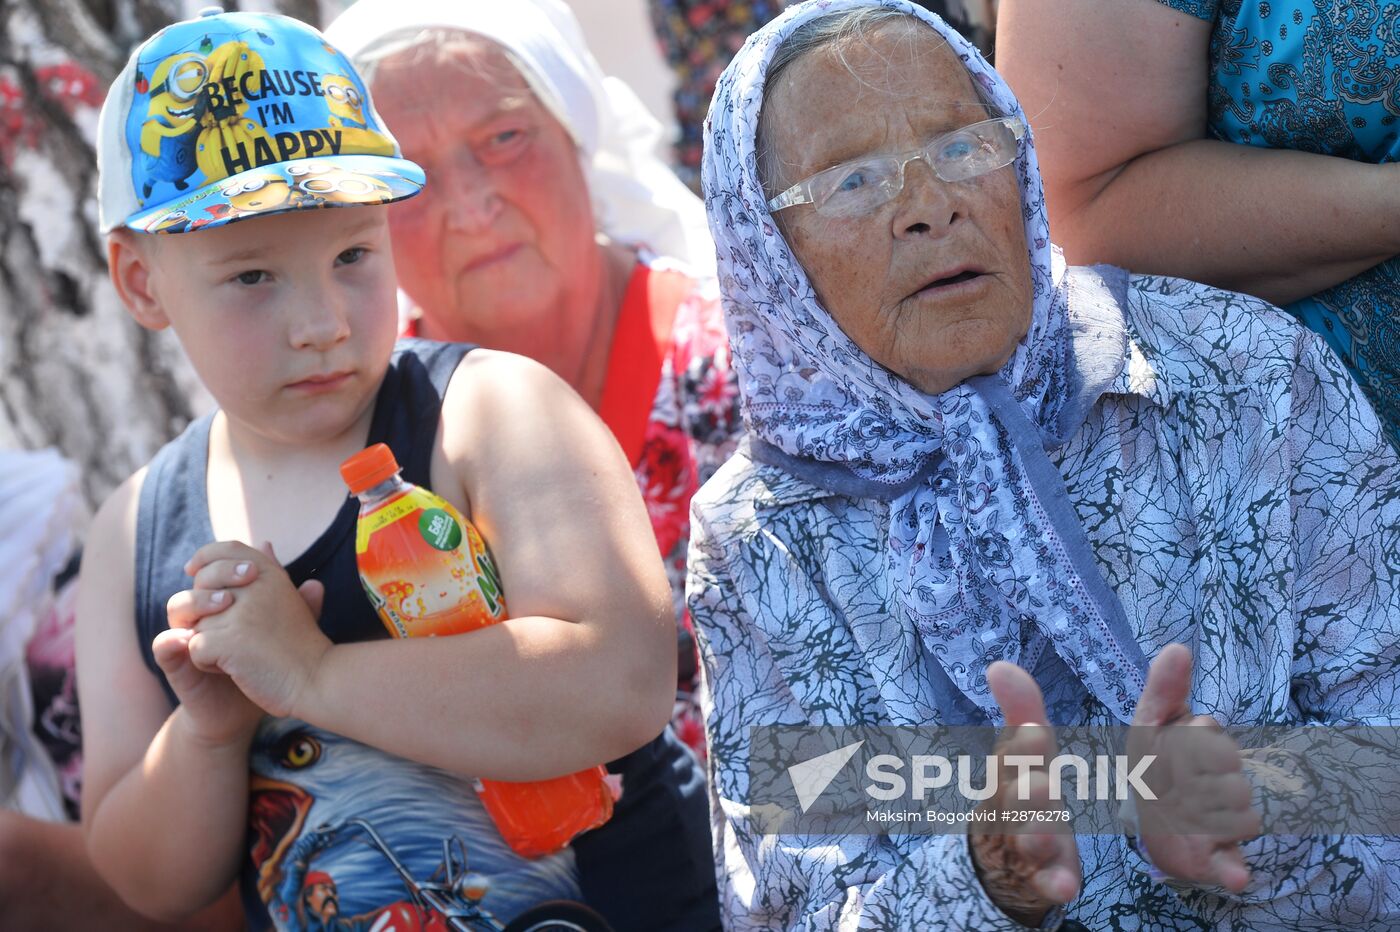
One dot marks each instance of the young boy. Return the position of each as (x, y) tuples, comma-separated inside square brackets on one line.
[(223, 710)]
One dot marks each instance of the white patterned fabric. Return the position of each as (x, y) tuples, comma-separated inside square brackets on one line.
[(1239, 497), (1228, 484), (973, 548)]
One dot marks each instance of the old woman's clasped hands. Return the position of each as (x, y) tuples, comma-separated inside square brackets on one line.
[(1190, 831)]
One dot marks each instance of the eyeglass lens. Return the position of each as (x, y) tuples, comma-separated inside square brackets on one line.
[(860, 186)]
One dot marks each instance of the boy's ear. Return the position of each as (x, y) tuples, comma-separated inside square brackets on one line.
[(129, 263)]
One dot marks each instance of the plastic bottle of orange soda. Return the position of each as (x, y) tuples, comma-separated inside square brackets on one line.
[(428, 573)]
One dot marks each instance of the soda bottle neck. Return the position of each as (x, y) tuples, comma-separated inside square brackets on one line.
[(389, 487)]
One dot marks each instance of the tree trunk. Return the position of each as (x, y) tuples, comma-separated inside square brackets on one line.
[(76, 372)]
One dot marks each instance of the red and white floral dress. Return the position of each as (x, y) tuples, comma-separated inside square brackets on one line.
[(671, 400)]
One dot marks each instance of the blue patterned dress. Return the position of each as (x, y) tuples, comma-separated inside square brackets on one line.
[(1239, 498), (1320, 76)]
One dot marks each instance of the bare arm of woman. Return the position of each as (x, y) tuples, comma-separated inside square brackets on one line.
[(1116, 92)]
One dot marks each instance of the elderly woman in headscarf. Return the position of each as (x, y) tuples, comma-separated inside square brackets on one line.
[(983, 488), (551, 228)]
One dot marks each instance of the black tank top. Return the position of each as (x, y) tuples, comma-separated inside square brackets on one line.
[(651, 866)]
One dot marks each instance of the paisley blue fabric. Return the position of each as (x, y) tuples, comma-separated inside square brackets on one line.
[(873, 548), (975, 548), (1239, 498), (1320, 76)]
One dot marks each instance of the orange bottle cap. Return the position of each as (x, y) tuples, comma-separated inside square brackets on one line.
[(368, 468)]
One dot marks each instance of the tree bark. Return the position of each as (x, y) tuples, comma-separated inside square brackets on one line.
[(76, 372)]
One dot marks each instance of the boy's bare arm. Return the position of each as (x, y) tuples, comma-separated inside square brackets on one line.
[(583, 672), (163, 806)]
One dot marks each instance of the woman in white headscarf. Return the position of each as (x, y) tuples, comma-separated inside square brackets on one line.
[(552, 229), (549, 228), (983, 488)]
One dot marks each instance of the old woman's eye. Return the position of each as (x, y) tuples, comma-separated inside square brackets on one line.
[(503, 145), (854, 181), (959, 147)]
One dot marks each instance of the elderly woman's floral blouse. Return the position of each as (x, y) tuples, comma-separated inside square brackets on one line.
[(1240, 499)]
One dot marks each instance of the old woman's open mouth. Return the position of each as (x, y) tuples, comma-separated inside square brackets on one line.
[(953, 281)]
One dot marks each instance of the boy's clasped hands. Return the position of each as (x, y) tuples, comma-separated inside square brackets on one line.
[(243, 641)]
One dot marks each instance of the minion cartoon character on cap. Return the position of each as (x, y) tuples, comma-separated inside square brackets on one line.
[(171, 126), (335, 185), (345, 102), (243, 115), (304, 184), (176, 221), (257, 193)]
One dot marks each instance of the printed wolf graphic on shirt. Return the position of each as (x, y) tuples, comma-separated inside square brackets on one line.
[(343, 836)]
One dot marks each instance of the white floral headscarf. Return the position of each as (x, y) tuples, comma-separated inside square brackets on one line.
[(984, 549)]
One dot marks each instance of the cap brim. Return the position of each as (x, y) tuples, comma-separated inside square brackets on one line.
[(301, 184)]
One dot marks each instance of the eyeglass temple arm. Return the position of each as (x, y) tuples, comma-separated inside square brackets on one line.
[(797, 194)]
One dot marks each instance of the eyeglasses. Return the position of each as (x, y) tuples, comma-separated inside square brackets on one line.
[(860, 186)]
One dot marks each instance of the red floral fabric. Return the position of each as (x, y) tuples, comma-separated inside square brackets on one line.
[(693, 428)]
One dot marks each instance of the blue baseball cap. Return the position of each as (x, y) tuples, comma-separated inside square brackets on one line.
[(235, 115)]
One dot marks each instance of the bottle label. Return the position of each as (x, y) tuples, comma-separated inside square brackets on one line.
[(425, 567), (382, 518), (488, 580), (439, 529), (387, 614)]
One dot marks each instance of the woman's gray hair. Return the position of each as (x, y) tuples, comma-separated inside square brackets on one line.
[(836, 31), (832, 29)]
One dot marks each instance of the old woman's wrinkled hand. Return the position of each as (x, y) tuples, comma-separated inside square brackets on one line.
[(1024, 873), (1203, 807)]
